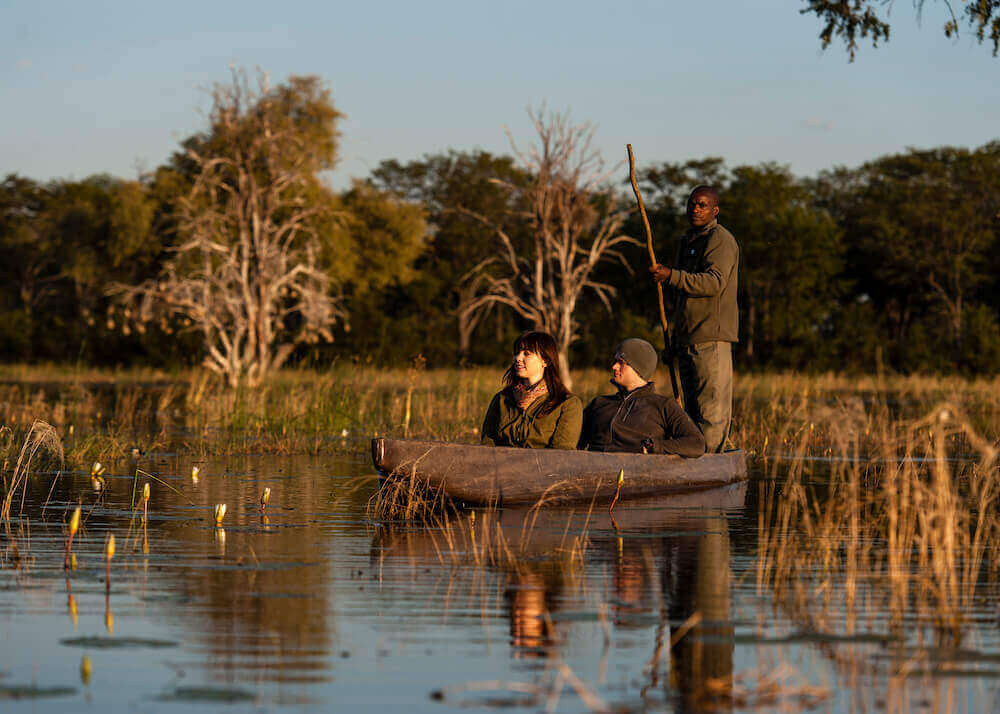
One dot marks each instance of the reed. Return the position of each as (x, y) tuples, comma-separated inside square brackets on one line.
[(41, 437), (112, 416), (905, 532)]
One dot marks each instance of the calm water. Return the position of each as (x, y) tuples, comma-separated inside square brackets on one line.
[(316, 607)]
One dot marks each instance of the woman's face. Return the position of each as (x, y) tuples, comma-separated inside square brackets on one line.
[(529, 366)]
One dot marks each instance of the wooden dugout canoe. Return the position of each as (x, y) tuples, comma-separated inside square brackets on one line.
[(508, 476)]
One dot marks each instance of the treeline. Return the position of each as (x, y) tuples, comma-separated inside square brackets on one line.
[(892, 263)]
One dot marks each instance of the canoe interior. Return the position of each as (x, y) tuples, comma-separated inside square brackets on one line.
[(482, 475)]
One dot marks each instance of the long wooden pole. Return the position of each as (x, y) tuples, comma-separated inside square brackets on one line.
[(668, 352)]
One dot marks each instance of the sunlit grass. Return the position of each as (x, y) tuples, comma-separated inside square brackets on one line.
[(116, 416), (905, 537)]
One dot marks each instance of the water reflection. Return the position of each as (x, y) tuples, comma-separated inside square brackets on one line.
[(701, 633), (662, 564), (656, 609), (530, 602)]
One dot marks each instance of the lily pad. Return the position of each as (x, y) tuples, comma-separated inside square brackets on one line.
[(219, 695), (30, 691), (116, 642)]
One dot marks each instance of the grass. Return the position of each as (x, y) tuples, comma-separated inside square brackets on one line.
[(911, 532), (107, 415)]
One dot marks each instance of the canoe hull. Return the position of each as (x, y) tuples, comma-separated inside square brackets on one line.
[(503, 475)]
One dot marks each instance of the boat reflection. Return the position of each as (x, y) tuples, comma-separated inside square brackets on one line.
[(660, 564)]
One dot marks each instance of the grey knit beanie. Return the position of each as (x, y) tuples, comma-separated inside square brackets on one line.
[(640, 355)]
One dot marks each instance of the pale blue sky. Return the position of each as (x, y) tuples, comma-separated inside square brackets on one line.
[(89, 87)]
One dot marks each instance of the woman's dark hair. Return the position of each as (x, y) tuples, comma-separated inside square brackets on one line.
[(543, 345)]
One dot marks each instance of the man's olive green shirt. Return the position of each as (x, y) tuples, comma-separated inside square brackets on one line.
[(507, 425), (704, 277)]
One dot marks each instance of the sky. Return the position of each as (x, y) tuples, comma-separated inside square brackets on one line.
[(113, 87)]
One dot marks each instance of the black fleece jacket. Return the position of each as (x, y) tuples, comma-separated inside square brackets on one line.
[(620, 422)]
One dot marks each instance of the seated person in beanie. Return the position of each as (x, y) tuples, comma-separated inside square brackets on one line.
[(636, 418)]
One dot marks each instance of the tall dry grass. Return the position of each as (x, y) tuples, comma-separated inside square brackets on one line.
[(106, 415), (901, 524)]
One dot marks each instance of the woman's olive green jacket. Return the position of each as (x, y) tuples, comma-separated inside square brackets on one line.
[(506, 425)]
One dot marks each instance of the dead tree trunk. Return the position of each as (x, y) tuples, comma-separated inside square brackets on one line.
[(575, 221)]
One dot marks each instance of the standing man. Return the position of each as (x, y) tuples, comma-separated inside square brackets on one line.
[(704, 280)]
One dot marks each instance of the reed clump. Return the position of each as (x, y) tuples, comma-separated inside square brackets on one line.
[(40, 442), (905, 531)]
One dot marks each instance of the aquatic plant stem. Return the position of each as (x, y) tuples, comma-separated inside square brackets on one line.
[(621, 480)]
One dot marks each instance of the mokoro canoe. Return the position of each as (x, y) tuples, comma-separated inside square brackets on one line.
[(507, 476)]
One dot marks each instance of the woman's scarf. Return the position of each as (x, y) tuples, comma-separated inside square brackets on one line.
[(525, 394)]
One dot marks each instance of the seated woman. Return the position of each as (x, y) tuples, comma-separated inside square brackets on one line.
[(534, 409)]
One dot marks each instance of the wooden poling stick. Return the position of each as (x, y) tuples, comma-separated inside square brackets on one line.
[(667, 347)]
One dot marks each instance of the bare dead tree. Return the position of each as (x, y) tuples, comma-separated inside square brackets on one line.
[(575, 220), (470, 310), (247, 274)]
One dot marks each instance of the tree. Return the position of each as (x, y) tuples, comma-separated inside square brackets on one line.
[(247, 273), (575, 220), (63, 243), (928, 221), (30, 260), (791, 258), (848, 20), (454, 187)]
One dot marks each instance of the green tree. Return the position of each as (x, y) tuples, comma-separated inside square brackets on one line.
[(921, 230), (791, 257), (64, 244), (850, 20), (451, 186)]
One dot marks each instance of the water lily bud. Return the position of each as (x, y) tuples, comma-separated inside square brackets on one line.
[(145, 492), (194, 474), (265, 497), (74, 521), (109, 547), (85, 670), (220, 513), (97, 469)]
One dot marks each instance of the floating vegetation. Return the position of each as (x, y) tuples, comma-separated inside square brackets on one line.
[(31, 691), (106, 643), (215, 695)]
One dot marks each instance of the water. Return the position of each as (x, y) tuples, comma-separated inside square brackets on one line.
[(316, 607)]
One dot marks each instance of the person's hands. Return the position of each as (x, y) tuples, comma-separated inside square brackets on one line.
[(660, 272), (647, 445)]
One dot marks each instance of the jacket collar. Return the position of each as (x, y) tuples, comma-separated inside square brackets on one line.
[(647, 387), (708, 228)]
